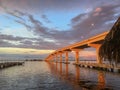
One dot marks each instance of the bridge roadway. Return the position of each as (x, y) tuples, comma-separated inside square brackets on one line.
[(94, 42)]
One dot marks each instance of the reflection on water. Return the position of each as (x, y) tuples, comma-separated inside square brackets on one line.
[(56, 76), (77, 73), (85, 79), (101, 79)]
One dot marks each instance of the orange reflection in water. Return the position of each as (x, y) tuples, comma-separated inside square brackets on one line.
[(61, 68), (101, 79), (66, 69), (77, 73), (62, 71), (56, 66)]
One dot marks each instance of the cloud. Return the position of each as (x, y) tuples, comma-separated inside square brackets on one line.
[(15, 14), (20, 42), (9, 37), (78, 18), (4, 44), (44, 17), (94, 22), (89, 23), (61, 5), (39, 5)]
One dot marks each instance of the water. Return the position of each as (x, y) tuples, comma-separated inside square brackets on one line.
[(56, 76)]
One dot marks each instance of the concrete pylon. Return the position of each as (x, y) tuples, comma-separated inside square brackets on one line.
[(56, 57), (96, 46), (56, 67), (60, 57), (52, 58), (66, 56), (76, 54)]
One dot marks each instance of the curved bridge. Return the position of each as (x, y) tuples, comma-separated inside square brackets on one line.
[(95, 42)]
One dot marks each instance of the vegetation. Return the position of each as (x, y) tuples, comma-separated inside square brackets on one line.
[(110, 49)]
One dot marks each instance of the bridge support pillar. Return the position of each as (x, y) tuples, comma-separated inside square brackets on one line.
[(66, 57), (97, 46), (76, 55), (50, 59), (98, 58), (60, 57), (53, 58), (56, 58)]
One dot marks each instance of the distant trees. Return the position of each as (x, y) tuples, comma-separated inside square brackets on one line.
[(110, 49)]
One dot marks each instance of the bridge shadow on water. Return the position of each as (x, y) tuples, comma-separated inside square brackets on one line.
[(80, 78)]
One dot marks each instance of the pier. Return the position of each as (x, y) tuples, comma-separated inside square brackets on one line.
[(10, 64), (104, 67)]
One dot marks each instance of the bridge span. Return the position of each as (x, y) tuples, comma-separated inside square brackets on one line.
[(94, 42)]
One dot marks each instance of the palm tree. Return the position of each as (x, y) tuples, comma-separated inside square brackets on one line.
[(110, 49)]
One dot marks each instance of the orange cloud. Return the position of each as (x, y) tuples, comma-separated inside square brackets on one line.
[(97, 11)]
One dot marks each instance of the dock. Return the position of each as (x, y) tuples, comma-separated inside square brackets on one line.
[(10, 64), (104, 67)]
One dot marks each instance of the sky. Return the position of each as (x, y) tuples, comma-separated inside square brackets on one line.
[(38, 27)]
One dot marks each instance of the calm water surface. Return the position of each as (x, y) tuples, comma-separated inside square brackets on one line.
[(56, 76)]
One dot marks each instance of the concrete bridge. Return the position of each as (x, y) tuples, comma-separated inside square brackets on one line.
[(95, 42)]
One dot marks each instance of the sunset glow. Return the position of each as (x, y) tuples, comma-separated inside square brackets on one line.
[(42, 26), (24, 51)]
